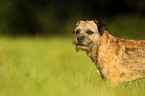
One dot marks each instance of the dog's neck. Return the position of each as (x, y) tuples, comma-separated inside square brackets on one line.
[(92, 51)]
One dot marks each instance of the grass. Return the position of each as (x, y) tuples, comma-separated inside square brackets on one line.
[(51, 67)]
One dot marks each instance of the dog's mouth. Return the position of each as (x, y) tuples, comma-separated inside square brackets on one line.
[(80, 46)]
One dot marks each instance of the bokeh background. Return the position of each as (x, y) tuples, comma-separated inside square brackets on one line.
[(125, 18), (37, 57)]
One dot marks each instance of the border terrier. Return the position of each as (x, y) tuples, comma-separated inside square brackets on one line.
[(117, 60)]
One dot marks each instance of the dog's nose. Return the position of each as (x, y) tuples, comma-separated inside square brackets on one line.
[(80, 39)]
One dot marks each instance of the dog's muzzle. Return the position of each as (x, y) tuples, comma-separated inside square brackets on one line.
[(81, 42), (81, 38)]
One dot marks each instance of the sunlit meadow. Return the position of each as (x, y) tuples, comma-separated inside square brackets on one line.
[(51, 67)]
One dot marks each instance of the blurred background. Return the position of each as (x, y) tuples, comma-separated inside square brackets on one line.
[(125, 18), (37, 57)]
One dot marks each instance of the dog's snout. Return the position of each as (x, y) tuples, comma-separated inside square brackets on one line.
[(81, 38)]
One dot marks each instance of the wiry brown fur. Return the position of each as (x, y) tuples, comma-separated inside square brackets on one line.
[(121, 60), (118, 60)]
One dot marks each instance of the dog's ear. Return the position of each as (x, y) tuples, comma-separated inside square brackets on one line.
[(77, 24), (101, 26)]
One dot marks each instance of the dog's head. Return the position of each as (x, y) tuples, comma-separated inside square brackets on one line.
[(88, 34)]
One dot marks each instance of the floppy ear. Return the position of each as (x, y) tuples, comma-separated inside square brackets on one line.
[(77, 24), (101, 26)]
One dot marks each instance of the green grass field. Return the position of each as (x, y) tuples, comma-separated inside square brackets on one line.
[(51, 67)]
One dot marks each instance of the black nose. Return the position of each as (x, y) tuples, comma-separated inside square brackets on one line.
[(80, 39)]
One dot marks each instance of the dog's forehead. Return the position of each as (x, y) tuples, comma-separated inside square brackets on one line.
[(87, 25)]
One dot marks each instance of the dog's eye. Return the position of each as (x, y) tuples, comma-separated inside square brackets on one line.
[(89, 32), (78, 31)]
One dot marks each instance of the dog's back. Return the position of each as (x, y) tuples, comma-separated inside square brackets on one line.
[(134, 58), (129, 56)]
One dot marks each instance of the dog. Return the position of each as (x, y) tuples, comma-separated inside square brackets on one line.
[(117, 60)]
